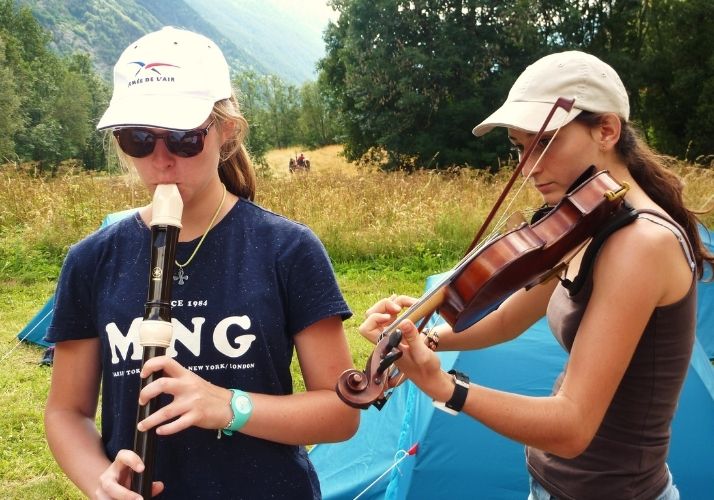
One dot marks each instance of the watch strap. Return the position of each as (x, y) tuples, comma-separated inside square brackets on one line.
[(242, 408), (461, 389)]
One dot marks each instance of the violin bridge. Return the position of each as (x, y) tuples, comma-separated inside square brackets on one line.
[(515, 220)]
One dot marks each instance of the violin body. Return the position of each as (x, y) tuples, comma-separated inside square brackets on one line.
[(523, 257)]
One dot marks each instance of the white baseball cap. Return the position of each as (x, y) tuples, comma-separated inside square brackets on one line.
[(593, 84), (170, 79)]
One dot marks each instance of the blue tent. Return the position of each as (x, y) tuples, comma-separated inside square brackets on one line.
[(705, 310), (35, 330), (458, 457)]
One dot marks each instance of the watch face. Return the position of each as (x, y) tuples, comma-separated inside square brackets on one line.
[(243, 404)]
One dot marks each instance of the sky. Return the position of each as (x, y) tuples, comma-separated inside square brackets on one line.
[(315, 8)]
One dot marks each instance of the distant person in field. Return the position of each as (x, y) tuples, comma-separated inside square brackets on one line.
[(629, 329), (301, 160), (252, 289)]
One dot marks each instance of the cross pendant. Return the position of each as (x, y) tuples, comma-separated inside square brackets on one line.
[(181, 278)]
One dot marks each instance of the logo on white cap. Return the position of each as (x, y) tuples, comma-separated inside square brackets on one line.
[(169, 79)]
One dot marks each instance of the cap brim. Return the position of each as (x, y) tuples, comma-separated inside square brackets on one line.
[(156, 111), (525, 116)]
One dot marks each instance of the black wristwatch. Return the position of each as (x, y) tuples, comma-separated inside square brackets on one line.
[(461, 389)]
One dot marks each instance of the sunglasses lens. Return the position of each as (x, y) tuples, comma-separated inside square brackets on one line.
[(185, 144), (140, 142), (135, 142)]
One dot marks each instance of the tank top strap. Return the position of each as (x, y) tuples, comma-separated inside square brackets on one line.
[(666, 221), (626, 216)]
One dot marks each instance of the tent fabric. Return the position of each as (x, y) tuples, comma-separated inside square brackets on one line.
[(705, 309), (458, 457), (35, 330)]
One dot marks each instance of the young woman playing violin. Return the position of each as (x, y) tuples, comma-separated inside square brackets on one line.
[(629, 330)]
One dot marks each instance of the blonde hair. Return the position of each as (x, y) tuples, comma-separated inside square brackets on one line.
[(235, 167)]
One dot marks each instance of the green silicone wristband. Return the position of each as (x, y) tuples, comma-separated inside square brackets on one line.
[(242, 406)]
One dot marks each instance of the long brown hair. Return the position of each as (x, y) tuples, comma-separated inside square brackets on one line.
[(235, 167), (665, 188)]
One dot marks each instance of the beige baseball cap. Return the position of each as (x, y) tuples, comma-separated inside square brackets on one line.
[(593, 84), (170, 79)]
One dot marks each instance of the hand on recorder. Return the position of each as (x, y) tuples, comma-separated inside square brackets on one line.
[(196, 402), (115, 481)]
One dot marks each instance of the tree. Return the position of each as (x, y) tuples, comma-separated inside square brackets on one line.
[(71, 109), (93, 92), (317, 122), (279, 114), (24, 49), (10, 117), (52, 114), (283, 110), (251, 98), (678, 68), (412, 78)]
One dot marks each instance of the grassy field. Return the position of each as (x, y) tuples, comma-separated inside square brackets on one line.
[(384, 232)]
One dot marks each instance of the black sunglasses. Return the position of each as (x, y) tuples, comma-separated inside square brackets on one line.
[(140, 142)]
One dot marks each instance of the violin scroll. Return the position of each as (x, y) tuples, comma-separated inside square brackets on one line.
[(360, 389)]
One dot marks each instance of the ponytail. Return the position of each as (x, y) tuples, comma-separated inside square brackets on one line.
[(235, 167), (650, 171)]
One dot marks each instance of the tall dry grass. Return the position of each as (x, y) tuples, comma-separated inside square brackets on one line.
[(359, 214), (376, 214), (41, 216)]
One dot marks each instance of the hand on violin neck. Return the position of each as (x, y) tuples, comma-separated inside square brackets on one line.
[(382, 314), (421, 365)]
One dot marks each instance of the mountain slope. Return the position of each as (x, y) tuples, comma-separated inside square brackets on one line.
[(269, 37), (284, 34)]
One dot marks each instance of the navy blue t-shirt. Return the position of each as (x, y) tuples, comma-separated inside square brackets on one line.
[(256, 281)]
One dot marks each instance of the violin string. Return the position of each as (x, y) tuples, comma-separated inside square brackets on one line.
[(506, 210)]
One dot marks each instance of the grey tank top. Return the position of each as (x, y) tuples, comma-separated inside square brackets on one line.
[(626, 458)]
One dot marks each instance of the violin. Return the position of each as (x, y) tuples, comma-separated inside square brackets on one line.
[(525, 256)]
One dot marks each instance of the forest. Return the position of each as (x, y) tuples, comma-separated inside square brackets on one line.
[(402, 82)]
